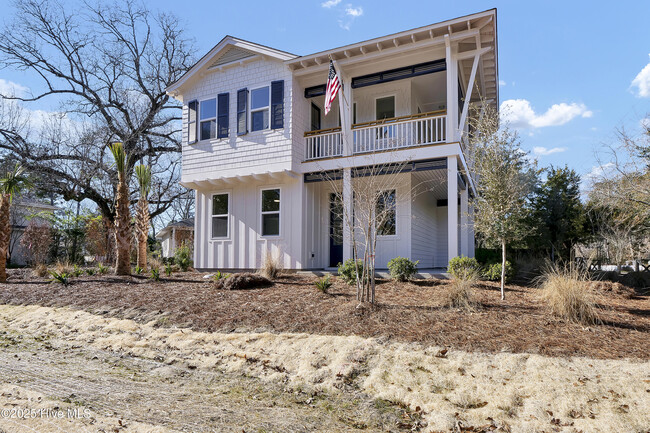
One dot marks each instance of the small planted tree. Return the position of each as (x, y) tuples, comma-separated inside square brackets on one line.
[(143, 174), (505, 181), (122, 213), (11, 184), (36, 241)]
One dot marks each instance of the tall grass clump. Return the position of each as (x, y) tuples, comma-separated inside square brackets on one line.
[(460, 293), (272, 266), (566, 291)]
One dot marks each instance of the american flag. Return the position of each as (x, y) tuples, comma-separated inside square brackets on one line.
[(332, 88)]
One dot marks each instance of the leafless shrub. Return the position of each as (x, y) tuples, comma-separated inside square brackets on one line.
[(36, 241), (40, 270), (460, 293), (566, 291)]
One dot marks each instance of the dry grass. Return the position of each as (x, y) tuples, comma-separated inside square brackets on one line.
[(516, 392), (40, 271), (272, 266), (460, 293), (567, 292), (242, 281), (63, 267)]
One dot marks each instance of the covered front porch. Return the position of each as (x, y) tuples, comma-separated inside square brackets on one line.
[(431, 221)]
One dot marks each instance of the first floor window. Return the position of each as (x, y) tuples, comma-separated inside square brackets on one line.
[(208, 118), (271, 212), (260, 109), (220, 215), (385, 213)]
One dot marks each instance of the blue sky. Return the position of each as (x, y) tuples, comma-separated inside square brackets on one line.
[(566, 68)]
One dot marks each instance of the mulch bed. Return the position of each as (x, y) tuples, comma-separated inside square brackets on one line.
[(408, 312)]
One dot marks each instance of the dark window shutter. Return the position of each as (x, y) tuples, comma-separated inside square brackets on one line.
[(277, 104), (191, 121), (222, 114), (242, 111)]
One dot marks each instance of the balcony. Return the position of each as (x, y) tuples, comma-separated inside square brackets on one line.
[(378, 136)]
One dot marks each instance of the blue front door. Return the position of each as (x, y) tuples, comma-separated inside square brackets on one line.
[(336, 230)]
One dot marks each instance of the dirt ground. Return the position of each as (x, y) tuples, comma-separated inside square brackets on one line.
[(406, 312), (50, 385)]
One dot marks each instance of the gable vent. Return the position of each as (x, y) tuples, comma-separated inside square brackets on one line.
[(232, 55)]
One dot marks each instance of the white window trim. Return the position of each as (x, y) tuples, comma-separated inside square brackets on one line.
[(251, 110), (196, 122), (279, 212), (388, 95), (228, 193), (199, 121), (396, 235)]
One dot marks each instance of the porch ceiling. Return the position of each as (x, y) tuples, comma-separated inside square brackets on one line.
[(432, 181), (470, 32)]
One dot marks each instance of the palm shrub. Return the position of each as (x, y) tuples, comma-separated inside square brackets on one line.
[(324, 284), (101, 269), (122, 213), (402, 269), (11, 184), (183, 256), (155, 274), (462, 267), (143, 174), (60, 277), (168, 269)]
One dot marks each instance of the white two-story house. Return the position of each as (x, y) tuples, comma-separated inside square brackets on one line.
[(256, 143)]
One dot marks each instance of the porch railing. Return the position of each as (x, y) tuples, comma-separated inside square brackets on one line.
[(398, 132), (387, 134)]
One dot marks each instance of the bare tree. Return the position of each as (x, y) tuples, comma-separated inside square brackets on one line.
[(374, 200), (109, 65), (505, 180)]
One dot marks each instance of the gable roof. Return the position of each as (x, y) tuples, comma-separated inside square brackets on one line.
[(229, 51)]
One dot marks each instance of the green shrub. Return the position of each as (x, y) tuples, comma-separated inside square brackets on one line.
[(347, 271), (60, 277), (139, 270), (463, 268), (168, 269), (402, 269), (183, 257), (493, 272), (77, 271), (487, 255), (155, 274), (101, 269), (324, 283), (90, 271)]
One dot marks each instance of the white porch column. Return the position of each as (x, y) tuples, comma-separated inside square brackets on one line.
[(347, 213), (452, 207), (345, 110), (452, 92), (464, 221)]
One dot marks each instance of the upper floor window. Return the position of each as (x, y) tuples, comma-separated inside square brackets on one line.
[(260, 108), (208, 119)]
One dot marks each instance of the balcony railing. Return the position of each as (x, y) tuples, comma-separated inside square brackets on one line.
[(387, 134)]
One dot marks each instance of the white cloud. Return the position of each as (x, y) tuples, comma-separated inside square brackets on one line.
[(597, 171), (9, 88), (642, 82), (330, 3), (544, 151), (353, 11), (520, 114), (502, 83)]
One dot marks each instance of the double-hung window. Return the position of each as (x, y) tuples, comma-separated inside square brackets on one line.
[(191, 121), (260, 108), (385, 213), (208, 119), (271, 212), (220, 204)]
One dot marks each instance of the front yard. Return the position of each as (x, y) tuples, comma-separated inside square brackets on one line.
[(178, 355)]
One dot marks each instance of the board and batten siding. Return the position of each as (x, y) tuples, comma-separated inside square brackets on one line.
[(239, 155), (424, 227), (245, 248)]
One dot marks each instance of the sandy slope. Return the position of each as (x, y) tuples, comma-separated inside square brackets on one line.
[(515, 392)]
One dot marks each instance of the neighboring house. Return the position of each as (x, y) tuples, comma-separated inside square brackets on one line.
[(174, 235), (256, 142), (22, 212)]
